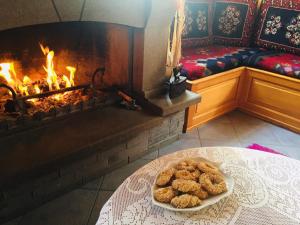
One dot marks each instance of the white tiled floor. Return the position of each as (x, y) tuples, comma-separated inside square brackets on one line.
[(82, 206)]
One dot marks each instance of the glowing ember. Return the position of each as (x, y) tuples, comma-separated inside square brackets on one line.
[(37, 89), (57, 97)]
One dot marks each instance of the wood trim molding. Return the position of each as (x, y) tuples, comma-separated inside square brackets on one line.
[(267, 95), (219, 94)]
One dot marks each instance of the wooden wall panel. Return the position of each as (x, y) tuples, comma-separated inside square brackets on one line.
[(219, 95), (275, 97), (270, 96)]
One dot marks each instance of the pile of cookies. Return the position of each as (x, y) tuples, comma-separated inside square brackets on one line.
[(189, 182)]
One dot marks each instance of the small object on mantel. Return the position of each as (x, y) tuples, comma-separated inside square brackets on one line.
[(129, 102), (176, 85)]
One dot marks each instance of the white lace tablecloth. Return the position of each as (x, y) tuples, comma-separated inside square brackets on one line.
[(266, 191)]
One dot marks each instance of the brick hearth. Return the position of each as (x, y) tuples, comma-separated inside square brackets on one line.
[(139, 134)]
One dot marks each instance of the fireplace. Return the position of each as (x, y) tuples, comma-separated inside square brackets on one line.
[(53, 70), (62, 69)]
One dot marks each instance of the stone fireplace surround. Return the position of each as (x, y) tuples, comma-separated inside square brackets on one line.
[(151, 18), (110, 143)]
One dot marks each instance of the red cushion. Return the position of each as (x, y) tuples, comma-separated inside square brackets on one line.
[(205, 61), (282, 63)]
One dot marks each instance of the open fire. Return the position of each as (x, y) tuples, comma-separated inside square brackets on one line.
[(51, 82), (20, 95)]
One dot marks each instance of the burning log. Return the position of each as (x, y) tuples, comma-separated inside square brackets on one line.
[(49, 93)]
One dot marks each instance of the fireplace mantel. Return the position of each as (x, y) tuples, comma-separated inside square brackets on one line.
[(21, 13)]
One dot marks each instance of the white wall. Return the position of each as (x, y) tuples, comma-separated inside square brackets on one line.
[(156, 43)]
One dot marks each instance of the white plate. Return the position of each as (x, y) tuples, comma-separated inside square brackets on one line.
[(205, 203)]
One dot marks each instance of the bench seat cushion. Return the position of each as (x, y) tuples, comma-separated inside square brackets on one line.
[(206, 61), (277, 62)]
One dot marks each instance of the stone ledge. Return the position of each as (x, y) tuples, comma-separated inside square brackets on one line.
[(52, 143), (164, 106)]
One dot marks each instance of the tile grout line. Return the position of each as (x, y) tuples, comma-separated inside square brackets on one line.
[(101, 183), (198, 132), (235, 131), (97, 195), (92, 189), (158, 150), (279, 144), (279, 141), (272, 132), (228, 123), (107, 190), (92, 208), (241, 141)]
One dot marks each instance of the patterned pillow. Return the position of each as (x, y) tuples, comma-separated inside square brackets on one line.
[(233, 21), (198, 21), (280, 25)]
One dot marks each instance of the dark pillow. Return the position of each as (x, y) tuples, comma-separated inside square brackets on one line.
[(198, 21), (278, 27), (233, 21)]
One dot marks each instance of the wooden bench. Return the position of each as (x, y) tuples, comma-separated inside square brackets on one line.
[(269, 96)]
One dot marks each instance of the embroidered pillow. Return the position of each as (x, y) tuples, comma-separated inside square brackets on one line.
[(279, 25), (198, 21), (233, 21)]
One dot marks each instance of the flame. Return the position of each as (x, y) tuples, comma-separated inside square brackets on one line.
[(49, 68), (45, 50), (23, 88), (7, 71), (57, 97), (37, 89), (72, 71), (68, 82), (26, 80), (26, 86)]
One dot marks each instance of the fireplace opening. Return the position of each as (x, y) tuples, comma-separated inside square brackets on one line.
[(53, 70)]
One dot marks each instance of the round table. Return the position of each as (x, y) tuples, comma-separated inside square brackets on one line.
[(266, 191)]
